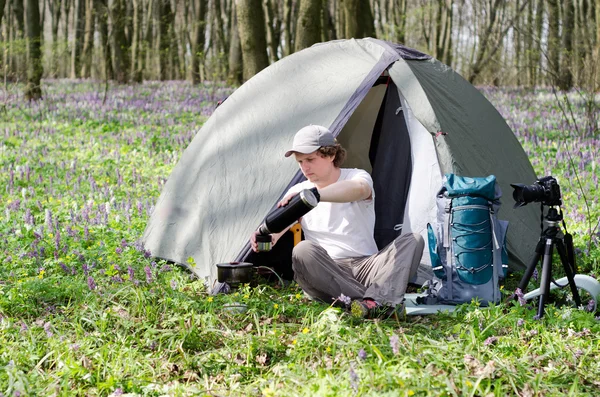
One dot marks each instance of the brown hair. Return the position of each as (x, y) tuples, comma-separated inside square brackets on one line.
[(337, 151)]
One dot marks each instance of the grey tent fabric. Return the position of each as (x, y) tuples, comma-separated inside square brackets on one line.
[(478, 141), (233, 172)]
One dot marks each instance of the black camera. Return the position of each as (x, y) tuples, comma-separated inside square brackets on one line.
[(545, 190)]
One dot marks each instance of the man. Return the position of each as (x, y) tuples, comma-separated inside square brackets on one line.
[(339, 256)]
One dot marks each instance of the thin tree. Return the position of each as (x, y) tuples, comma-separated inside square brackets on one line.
[(234, 75), (565, 79), (88, 40), (78, 26), (553, 40), (2, 4), (199, 15), (103, 12), (119, 42), (33, 90)]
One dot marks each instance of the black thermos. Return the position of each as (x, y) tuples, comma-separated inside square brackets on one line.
[(282, 217)]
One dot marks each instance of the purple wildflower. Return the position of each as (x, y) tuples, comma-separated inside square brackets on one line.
[(48, 218), (353, 379), (65, 267), (535, 274), (344, 299), (119, 250), (124, 243), (520, 296), (173, 284), (148, 272), (490, 341), (362, 354), (85, 268), (520, 322), (165, 268), (24, 326), (131, 273), (147, 254), (118, 392), (75, 347), (91, 283), (590, 306), (394, 343), (47, 329)]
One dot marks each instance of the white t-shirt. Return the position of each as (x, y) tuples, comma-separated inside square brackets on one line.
[(345, 230)]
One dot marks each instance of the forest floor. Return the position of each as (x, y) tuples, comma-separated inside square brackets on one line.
[(86, 310)]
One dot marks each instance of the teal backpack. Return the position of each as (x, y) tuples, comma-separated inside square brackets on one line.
[(467, 246)]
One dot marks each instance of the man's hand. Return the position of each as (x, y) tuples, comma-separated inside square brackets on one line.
[(284, 201), (274, 238)]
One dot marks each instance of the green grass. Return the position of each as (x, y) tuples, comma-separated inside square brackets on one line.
[(85, 311)]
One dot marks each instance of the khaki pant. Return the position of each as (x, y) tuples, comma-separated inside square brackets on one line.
[(382, 277)]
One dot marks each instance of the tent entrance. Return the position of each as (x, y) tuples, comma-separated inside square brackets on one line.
[(377, 140)]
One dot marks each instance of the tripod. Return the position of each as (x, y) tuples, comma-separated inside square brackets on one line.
[(552, 236)]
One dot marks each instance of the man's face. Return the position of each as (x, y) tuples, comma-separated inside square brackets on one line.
[(314, 166)]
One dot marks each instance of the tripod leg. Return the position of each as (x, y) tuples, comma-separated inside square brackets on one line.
[(539, 249), (546, 276), (568, 271)]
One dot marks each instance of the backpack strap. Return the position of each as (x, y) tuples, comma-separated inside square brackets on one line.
[(448, 246), (497, 256)]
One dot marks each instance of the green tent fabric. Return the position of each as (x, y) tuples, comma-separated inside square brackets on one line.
[(234, 171)]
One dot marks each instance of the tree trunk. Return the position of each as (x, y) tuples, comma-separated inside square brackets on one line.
[(136, 72), (164, 38), (19, 15), (119, 42), (78, 26), (308, 28), (55, 7), (272, 34), (199, 40), (251, 25), (351, 18), (234, 75), (400, 20), (146, 41), (2, 4), (565, 81), (553, 40), (102, 13), (448, 58), (366, 20), (88, 43), (595, 83), (487, 35), (33, 90), (287, 30), (327, 25)]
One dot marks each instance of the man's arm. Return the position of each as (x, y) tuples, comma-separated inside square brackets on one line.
[(346, 191)]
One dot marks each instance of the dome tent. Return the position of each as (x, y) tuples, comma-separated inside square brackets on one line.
[(423, 122)]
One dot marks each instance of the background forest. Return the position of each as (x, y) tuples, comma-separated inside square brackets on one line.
[(500, 42)]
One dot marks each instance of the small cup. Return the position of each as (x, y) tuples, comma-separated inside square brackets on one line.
[(264, 242)]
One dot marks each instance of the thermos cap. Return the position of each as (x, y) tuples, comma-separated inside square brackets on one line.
[(308, 198)]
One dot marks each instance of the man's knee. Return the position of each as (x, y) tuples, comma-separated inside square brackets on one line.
[(303, 249), (412, 239)]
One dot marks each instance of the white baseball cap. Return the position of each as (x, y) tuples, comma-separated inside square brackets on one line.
[(310, 139)]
